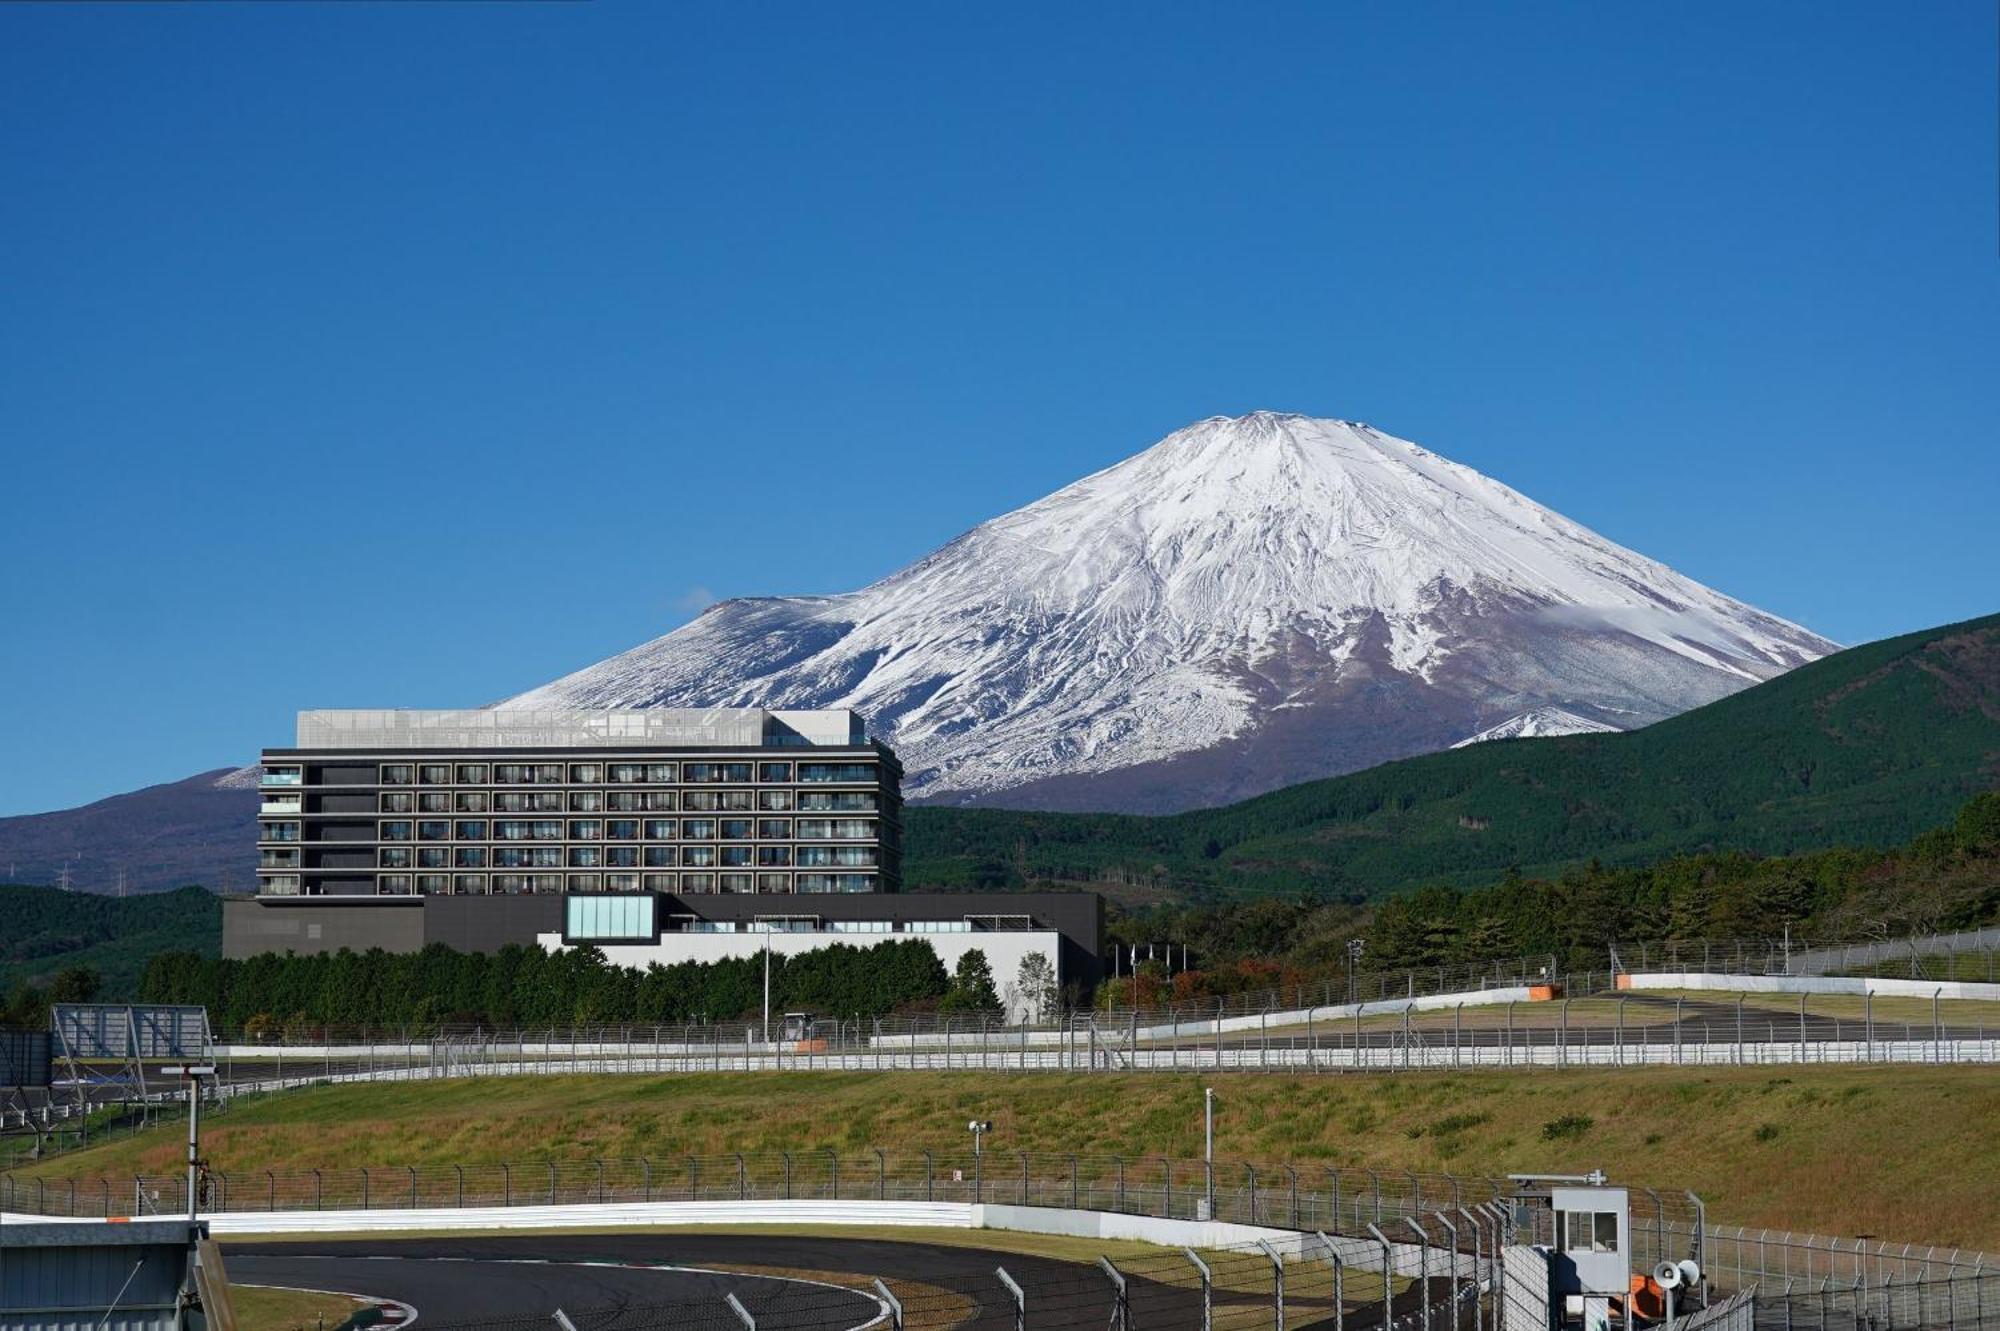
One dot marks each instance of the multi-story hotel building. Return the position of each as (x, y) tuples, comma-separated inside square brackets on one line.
[(655, 835), (494, 802)]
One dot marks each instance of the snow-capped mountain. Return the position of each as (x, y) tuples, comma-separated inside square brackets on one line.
[(1250, 602)]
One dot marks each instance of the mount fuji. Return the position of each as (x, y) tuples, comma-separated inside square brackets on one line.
[(1251, 602)]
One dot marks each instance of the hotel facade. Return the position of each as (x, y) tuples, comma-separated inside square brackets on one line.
[(653, 834)]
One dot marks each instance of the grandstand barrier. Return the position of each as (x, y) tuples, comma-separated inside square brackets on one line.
[(1854, 985)]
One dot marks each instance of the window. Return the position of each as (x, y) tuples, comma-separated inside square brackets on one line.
[(774, 800), (469, 857), (472, 774), (736, 882), (697, 882), (698, 828), (774, 882), (848, 772), (393, 884), (850, 829), (471, 829), (834, 882), (1589, 1231), (512, 774), (549, 883), (548, 774), (698, 857), (661, 857), (838, 856), (434, 774), (658, 772), (510, 883), (621, 882), (396, 831), (585, 882), (433, 884), (661, 829), (397, 801), (631, 918), (471, 801), (518, 829), (622, 829), (527, 857), (393, 857), (278, 859), (837, 801), (735, 801), (283, 776), (586, 801), (702, 801), (280, 885), (774, 857), (736, 829), (397, 774), (433, 857), (434, 831), (625, 801), (469, 884), (659, 882), (528, 801), (774, 771), (586, 774), (662, 801), (778, 828), (715, 772), (625, 774), (621, 857), (434, 801), (585, 829), (736, 857), (585, 857)]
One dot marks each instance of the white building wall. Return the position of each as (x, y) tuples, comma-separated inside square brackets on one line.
[(1004, 950)]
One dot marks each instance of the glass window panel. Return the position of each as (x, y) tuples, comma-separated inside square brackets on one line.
[(586, 773), (473, 774), (736, 882), (586, 801), (737, 856), (621, 829), (659, 882), (585, 829), (779, 828), (471, 801), (621, 857), (433, 857), (433, 884), (662, 800), (393, 884), (397, 774), (470, 884), (433, 831), (661, 856), (434, 801), (625, 773), (469, 857), (698, 828), (841, 772), (395, 831), (397, 801), (661, 829), (736, 829), (586, 882), (393, 857), (625, 801), (774, 771), (698, 857), (775, 800), (657, 772), (697, 882), (434, 774), (585, 857), (548, 774), (774, 882)]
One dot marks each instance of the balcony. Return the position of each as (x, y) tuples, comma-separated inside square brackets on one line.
[(282, 776)]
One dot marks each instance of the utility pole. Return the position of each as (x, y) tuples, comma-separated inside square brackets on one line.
[(63, 878), (767, 982), (192, 1074)]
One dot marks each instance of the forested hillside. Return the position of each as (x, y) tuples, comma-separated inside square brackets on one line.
[(44, 931), (1865, 748)]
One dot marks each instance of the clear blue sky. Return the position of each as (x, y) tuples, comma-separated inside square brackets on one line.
[(361, 355)]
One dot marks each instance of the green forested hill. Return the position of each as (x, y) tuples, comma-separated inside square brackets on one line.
[(43, 931), (1865, 748)]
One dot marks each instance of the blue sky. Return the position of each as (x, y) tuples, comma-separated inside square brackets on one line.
[(362, 355)]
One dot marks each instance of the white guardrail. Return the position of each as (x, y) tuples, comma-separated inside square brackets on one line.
[(1851, 985)]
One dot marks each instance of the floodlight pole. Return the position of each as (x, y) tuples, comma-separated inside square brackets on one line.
[(192, 1075)]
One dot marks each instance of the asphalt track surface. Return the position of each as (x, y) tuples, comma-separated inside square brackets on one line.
[(614, 1280)]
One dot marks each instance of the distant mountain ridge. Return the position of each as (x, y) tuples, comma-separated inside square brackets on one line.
[(1869, 746), (1249, 603)]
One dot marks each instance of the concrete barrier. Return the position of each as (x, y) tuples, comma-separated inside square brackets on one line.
[(1855, 985)]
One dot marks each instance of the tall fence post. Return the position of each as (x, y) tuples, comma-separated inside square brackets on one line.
[(895, 1305), (1020, 1299), (1121, 1303), (1339, 1282), (1207, 1289), (1277, 1283), (1423, 1269), (1388, 1277)]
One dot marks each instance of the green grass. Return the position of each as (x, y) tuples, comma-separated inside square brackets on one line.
[(270, 1308), (1906, 1152), (1868, 747)]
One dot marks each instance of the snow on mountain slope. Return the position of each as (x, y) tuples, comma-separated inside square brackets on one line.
[(1538, 723), (1250, 602)]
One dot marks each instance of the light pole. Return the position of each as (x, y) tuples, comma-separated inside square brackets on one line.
[(978, 1128), (767, 983), (192, 1073), (1208, 1142)]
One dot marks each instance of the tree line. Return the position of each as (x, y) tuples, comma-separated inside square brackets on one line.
[(528, 986)]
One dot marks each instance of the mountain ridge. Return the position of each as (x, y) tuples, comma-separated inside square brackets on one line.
[(1126, 641)]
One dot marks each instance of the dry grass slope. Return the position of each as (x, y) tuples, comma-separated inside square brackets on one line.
[(1905, 1152)]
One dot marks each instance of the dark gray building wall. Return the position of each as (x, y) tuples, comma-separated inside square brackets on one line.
[(250, 927), (487, 924)]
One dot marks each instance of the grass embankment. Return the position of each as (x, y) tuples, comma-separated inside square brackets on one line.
[(1909, 1151), (269, 1308)]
